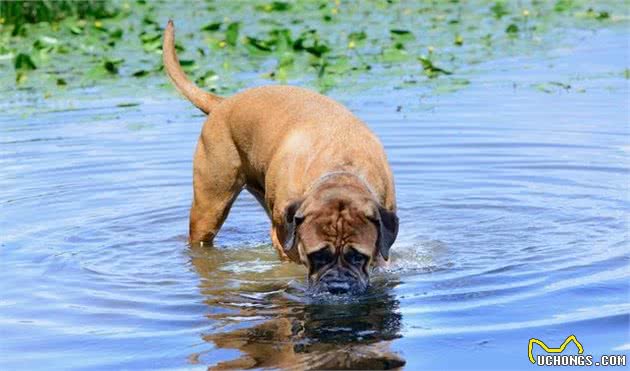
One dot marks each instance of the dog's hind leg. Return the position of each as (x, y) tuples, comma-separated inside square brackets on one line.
[(217, 181)]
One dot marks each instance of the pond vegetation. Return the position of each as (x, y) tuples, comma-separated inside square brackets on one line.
[(323, 44)]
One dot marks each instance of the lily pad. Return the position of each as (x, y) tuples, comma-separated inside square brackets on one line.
[(24, 62), (231, 34)]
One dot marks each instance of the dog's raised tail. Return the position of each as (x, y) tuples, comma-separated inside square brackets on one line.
[(201, 99)]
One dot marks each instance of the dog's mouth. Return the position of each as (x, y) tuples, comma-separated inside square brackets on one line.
[(338, 288), (333, 284)]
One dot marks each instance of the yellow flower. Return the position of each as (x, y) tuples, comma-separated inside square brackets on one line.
[(351, 45), (222, 44), (431, 49), (98, 24), (334, 10), (525, 13)]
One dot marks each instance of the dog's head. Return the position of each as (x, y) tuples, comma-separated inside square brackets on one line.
[(339, 232)]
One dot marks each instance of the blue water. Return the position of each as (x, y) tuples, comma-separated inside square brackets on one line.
[(513, 201)]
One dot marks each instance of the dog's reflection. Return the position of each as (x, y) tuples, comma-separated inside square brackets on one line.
[(290, 333)]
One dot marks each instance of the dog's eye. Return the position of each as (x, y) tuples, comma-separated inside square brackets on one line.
[(354, 257), (320, 258)]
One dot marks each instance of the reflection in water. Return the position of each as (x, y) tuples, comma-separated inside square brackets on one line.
[(276, 324)]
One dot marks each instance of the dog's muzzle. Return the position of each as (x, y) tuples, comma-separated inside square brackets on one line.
[(338, 282)]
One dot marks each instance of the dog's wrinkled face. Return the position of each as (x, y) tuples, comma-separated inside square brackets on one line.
[(338, 242), (338, 238)]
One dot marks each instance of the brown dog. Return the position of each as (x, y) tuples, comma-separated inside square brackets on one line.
[(319, 172)]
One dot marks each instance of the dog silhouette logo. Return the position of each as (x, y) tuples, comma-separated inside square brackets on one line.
[(547, 349)]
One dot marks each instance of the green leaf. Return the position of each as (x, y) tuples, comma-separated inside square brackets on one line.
[(459, 40), (208, 80), (46, 43), (399, 32), (543, 87), (24, 62), (116, 34), (563, 5), (281, 38), (18, 30), (186, 62), (275, 6), (152, 46), (401, 36), (318, 49), (76, 30), (231, 34), (512, 29), (499, 10), (357, 36), (560, 84), (286, 60), (140, 73), (430, 69), (151, 41), (339, 65), (214, 26), (20, 77), (111, 65), (603, 15), (147, 37), (49, 40), (309, 41), (129, 104), (259, 44), (147, 20), (391, 55)]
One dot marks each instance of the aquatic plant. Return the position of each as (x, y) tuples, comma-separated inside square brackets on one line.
[(35, 11), (320, 44)]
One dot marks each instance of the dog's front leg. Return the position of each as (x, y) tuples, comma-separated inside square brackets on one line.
[(277, 244)]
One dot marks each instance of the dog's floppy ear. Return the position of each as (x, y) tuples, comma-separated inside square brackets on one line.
[(292, 219), (387, 224)]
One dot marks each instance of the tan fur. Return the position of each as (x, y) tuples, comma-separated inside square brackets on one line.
[(204, 101), (340, 214), (283, 144)]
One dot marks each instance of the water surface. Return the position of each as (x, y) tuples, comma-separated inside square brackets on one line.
[(513, 201)]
